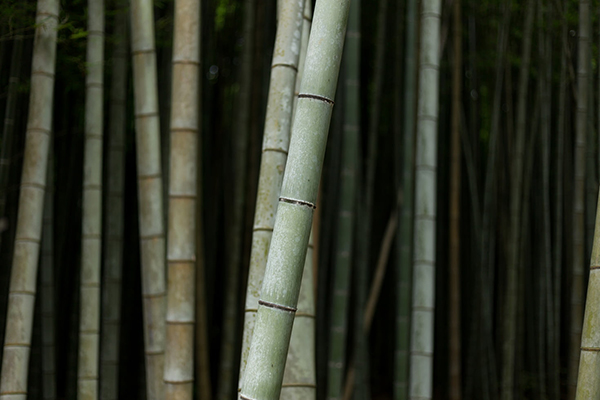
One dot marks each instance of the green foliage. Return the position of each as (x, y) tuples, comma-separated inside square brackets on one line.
[(16, 18), (224, 10)]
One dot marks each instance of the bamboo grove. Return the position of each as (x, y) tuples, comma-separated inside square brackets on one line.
[(299, 199)]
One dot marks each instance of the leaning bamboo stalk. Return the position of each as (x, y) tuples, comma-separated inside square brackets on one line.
[(113, 239), (22, 290), (181, 250), (150, 192), (424, 259), (91, 231), (274, 155), (279, 293), (577, 285)]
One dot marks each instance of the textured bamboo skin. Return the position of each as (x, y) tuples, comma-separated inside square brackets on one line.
[(19, 320), (274, 155), (281, 285), (181, 250), (91, 232), (113, 238), (150, 189), (421, 358), (578, 283)]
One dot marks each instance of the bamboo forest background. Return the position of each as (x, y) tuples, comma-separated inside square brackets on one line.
[(518, 166)]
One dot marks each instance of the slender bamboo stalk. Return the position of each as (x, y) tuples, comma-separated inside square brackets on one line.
[(181, 250), (276, 139), (454, 256), (405, 233), (91, 231), (113, 239), (421, 358), (579, 198), (150, 192), (588, 384), (47, 287), (279, 293), (19, 321)]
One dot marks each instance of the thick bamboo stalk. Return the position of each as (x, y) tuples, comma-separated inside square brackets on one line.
[(150, 193), (274, 155), (279, 293), (91, 231), (421, 358), (19, 321), (47, 288), (577, 285), (405, 223), (588, 384), (181, 250), (113, 238)]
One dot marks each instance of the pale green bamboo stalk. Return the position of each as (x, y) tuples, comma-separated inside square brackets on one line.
[(588, 384), (299, 376), (21, 297), (274, 155), (423, 303), (47, 287), (577, 285), (150, 193), (91, 229), (181, 250), (279, 293), (113, 239)]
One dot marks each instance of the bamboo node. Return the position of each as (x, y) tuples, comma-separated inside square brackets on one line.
[(298, 202), (276, 306), (315, 97)]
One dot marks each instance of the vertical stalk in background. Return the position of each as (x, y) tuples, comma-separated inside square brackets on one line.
[(274, 155), (91, 222), (21, 296), (150, 192), (47, 287), (588, 385), (424, 260), (454, 245), (279, 293), (181, 249), (347, 209), (404, 239), (579, 198), (299, 376), (113, 238), (515, 263)]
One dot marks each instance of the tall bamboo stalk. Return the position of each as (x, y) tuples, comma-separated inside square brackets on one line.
[(579, 198), (47, 288), (181, 250), (19, 321), (405, 233), (424, 260), (91, 231), (276, 139), (588, 385), (279, 293), (113, 239), (454, 256), (150, 193)]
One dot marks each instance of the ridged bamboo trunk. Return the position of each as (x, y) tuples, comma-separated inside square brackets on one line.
[(113, 239), (514, 265), (577, 285), (276, 139), (299, 376), (181, 250), (47, 288), (424, 260), (21, 297), (279, 293), (405, 220), (91, 231), (150, 193), (455, 185)]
